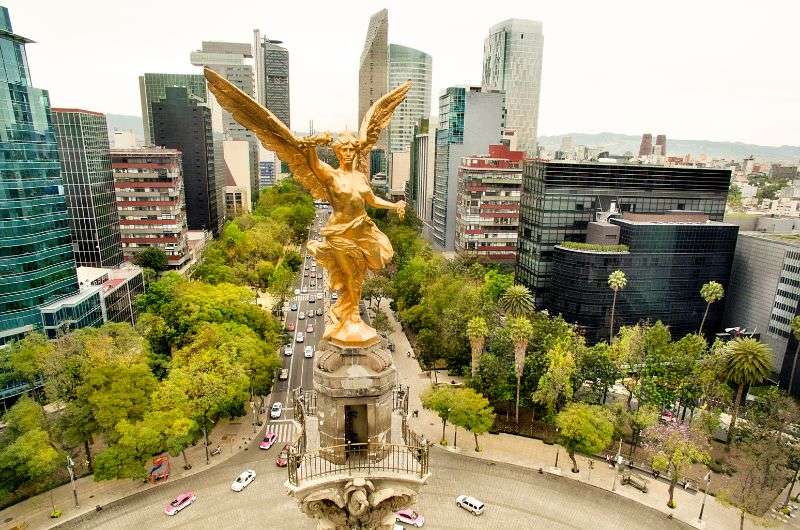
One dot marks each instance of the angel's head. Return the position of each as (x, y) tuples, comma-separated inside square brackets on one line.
[(345, 146)]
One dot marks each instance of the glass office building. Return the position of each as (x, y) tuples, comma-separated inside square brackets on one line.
[(153, 88), (36, 260), (559, 199), (89, 186), (409, 64), (667, 261)]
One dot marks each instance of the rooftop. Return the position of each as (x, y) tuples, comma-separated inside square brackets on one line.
[(790, 239)]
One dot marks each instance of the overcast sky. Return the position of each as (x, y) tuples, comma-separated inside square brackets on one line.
[(700, 69)]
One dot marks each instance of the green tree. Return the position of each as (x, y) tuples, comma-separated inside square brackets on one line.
[(293, 260), (280, 283), (517, 301), (472, 412), (734, 196), (584, 429), (152, 258), (600, 365), (711, 292), (520, 331), (381, 322), (494, 378), (795, 324), (442, 401), (675, 447), (748, 362), (495, 284), (477, 331), (641, 419), (555, 386), (27, 453), (27, 356), (376, 288), (616, 281)]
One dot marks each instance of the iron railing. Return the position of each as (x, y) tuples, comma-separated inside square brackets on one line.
[(400, 399), (359, 458)]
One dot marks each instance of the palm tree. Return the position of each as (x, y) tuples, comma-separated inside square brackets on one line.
[(796, 332), (477, 330), (520, 331), (617, 281), (711, 292), (517, 301), (747, 362)]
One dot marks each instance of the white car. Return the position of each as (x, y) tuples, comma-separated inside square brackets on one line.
[(308, 352), (297, 291), (334, 296), (305, 289), (287, 350), (276, 411), (243, 480), (471, 504), (302, 315), (300, 337), (320, 296)]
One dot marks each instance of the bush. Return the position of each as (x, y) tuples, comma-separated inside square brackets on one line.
[(574, 245)]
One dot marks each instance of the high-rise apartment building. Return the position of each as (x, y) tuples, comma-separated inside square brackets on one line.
[(272, 76), (152, 88), (487, 209), (373, 70), (646, 145), (229, 59), (36, 257), (408, 64), (419, 191), (237, 178), (89, 186), (666, 258), (560, 198), (512, 63), (470, 119), (150, 200), (180, 122), (661, 143)]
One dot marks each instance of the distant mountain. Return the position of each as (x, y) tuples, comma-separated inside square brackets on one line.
[(620, 143), (122, 122)]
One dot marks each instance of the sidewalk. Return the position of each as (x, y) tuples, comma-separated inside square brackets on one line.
[(534, 454), (233, 435)]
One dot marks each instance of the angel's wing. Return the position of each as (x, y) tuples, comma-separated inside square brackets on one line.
[(268, 128), (375, 120)]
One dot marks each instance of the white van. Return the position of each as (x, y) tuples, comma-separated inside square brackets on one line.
[(470, 504)]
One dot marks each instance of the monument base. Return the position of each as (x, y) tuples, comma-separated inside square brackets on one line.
[(356, 502)]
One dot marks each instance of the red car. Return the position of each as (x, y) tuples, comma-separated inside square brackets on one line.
[(268, 441), (290, 326), (180, 502), (283, 458)]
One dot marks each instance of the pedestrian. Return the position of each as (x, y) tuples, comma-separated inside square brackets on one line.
[(415, 414)]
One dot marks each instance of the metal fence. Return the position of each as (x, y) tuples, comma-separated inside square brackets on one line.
[(400, 398), (361, 457)]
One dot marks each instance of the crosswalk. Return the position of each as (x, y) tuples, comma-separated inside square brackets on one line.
[(284, 430)]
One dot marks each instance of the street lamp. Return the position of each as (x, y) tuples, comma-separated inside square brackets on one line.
[(71, 469), (253, 406), (707, 478)]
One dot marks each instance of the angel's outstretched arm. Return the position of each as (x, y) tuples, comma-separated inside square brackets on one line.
[(309, 148), (376, 202)]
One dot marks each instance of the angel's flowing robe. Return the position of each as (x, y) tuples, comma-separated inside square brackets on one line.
[(358, 240)]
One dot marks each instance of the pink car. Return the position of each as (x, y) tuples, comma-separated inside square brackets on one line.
[(180, 502), (410, 517), (268, 441)]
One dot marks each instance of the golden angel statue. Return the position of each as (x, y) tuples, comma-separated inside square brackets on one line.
[(352, 243)]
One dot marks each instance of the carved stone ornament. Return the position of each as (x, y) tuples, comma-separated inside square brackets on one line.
[(358, 503)]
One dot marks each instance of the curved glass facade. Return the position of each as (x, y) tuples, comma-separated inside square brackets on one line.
[(36, 256)]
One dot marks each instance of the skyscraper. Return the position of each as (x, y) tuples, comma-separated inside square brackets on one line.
[(419, 191), (512, 62), (35, 244), (152, 88), (89, 186), (373, 70), (661, 143), (646, 145), (180, 122), (408, 64), (228, 60), (272, 76), (469, 121)]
